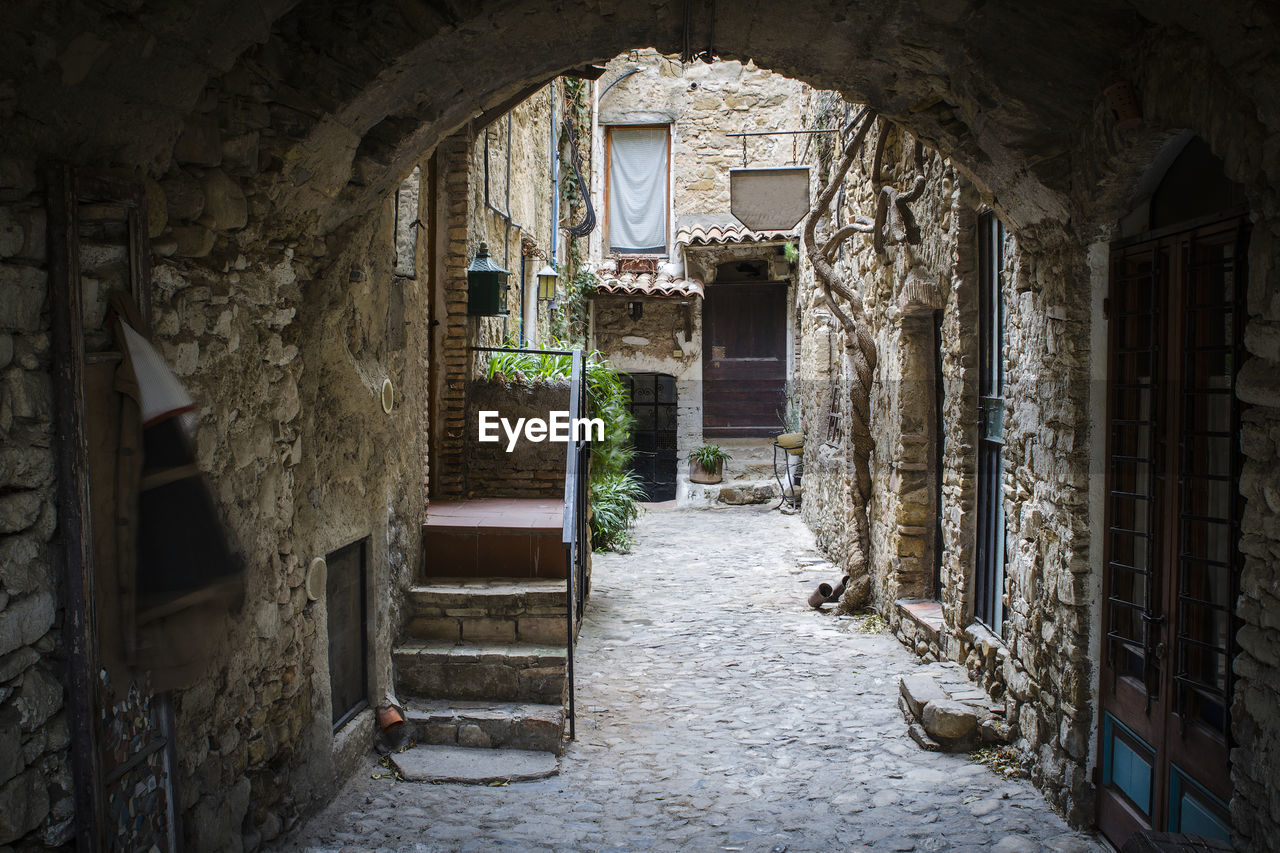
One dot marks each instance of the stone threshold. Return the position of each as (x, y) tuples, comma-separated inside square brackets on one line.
[(923, 612)]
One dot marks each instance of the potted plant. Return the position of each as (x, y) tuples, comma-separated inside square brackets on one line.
[(706, 464)]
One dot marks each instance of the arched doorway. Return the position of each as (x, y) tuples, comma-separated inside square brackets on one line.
[(1176, 312)]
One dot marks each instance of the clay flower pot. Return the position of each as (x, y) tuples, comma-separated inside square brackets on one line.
[(697, 474)]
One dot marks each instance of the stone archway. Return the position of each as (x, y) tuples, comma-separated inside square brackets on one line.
[(300, 119)]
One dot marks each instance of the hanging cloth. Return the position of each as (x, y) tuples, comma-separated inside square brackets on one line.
[(638, 190)]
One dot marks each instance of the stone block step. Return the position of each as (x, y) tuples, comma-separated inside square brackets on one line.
[(497, 672), (473, 766), (486, 725), (462, 610)]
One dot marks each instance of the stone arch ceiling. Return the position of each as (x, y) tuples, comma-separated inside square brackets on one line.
[(358, 91)]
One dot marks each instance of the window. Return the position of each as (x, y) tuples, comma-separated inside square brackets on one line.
[(407, 224), (639, 160), (348, 631), (988, 604)]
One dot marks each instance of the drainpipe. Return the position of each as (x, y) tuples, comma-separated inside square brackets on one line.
[(555, 181), (504, 214)]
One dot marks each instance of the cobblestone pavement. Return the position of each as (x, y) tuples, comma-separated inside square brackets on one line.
[(716, 711)]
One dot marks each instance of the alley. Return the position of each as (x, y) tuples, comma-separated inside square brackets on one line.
[(716, 712)]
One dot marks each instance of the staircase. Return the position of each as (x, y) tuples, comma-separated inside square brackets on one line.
[(482, 671)]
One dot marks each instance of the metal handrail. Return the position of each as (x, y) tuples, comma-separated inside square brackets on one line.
[(574, 530)]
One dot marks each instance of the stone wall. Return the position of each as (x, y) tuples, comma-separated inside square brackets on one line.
[(36, 783), (512, 216), (703, 103), (292, 356), (1040, 668), (285, 348), (530, 469)]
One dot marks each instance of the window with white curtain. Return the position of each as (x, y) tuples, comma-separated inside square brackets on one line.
[(637, 190)]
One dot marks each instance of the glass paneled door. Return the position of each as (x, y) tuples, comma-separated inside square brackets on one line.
[(1175, 315)]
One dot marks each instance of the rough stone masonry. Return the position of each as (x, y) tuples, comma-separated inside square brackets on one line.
[(270, 139)]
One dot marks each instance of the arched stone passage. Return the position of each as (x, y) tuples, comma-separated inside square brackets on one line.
[(353, 96), (300, 119)]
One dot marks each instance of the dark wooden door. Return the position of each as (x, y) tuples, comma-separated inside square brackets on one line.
[(988, 602), (744, 359), (1173, 511)]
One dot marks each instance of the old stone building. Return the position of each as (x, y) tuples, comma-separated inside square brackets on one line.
[(671, 310), (239, 169)]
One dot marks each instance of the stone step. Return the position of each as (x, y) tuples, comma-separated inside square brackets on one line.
[(473, 766), (465, 610), (496, 672), (486, 725), (737, 493)]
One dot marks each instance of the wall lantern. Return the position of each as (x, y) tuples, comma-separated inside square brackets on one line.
[(486, 286), (547, 279)]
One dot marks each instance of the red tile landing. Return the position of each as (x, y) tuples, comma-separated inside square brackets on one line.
[(497, 513), (494, 538)]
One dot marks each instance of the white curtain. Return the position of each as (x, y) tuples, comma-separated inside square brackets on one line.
[(638, 190)]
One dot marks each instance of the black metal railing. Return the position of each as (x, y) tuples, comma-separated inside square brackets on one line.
[(575, 532)]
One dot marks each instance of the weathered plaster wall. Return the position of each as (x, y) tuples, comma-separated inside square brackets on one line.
[(649, 345)]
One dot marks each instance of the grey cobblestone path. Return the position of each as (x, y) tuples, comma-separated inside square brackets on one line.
[(717, 712)]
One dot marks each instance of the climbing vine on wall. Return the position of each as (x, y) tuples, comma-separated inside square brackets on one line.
[(570, 319)]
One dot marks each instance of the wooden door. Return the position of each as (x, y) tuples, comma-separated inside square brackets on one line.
[(744, 361), (1175, 316)]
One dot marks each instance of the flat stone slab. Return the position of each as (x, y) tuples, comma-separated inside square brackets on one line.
[(471, 766)]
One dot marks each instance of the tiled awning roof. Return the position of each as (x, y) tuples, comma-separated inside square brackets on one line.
[(660, 283), (719, 229)]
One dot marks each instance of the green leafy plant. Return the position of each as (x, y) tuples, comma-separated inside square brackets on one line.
[(792, 252), (710, 457), (614, 497)]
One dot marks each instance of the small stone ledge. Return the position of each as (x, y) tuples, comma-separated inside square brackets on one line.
[(981, 637), (926, 614)]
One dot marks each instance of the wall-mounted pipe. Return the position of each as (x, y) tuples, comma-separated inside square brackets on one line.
[(555, 181)]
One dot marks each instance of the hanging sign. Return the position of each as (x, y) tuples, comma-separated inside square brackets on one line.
[(769, 199)]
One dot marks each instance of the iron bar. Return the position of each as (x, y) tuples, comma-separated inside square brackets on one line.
[(784, 132)]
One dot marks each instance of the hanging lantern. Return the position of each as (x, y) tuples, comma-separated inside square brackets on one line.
[(547, 279), (486, 286)]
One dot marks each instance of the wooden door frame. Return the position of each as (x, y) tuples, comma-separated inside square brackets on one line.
[(1128, 703)]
